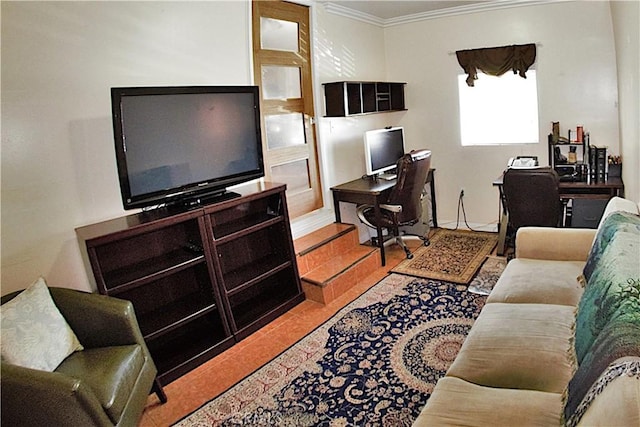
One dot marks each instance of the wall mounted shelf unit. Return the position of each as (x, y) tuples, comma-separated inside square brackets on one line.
[(349, 98)]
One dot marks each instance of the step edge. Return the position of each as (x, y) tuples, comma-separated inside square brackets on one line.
[(347, 230), (369, 252)]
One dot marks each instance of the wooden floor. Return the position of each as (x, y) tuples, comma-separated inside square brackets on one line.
[(212, 378)]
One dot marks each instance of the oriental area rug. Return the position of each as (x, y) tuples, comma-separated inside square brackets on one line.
[(452, 255), (374, 363)]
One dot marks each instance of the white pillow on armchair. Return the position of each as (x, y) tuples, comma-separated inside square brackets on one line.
[(34, 333)]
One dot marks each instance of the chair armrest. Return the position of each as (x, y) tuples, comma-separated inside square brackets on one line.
[(36, 398), (98, 320), (548, 243)]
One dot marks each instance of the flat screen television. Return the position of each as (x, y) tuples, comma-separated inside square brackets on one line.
[(185, 144), (382, 150)]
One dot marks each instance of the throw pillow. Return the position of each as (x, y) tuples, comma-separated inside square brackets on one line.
[(34, 333)]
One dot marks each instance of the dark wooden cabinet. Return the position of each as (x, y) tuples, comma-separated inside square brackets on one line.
[(199, 280), (254, 259), (353, 98)]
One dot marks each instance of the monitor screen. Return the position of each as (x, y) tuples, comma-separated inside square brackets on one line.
[(382, 149), (181, 142)]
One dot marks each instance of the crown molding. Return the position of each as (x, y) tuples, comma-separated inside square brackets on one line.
[(453, 11), (353, 14)]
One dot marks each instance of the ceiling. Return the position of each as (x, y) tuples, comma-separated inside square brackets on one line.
[(390, 9)]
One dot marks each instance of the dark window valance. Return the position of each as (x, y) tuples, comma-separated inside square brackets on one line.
[(496, 61)]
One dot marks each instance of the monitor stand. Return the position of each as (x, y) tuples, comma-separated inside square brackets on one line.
[(387, 176)]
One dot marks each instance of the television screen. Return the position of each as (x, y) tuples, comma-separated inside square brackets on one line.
[(383, 148), (179, 143)]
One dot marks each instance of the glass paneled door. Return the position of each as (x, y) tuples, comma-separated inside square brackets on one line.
[(282, 69)]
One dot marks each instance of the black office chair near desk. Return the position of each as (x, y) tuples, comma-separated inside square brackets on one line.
[(403, 206), (532, 198)]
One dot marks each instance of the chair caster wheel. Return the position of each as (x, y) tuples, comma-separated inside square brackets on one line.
[(409, 256), (427, 242)]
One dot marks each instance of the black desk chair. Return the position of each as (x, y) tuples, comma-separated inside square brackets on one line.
[(403, 206), (532, 198)]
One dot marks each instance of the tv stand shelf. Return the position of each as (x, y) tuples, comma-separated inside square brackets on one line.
[(168, 318), (130, 277), (242, 278), (192, 304)]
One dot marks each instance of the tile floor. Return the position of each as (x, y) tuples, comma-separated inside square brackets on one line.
[(218, 374)]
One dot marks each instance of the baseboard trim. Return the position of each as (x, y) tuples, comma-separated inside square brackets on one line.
[(491, 228)]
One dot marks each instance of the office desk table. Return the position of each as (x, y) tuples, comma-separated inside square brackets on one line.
[(375, 192), (569, 190)]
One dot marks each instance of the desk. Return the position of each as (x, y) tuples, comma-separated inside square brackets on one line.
[(375, 192), (568, 190)]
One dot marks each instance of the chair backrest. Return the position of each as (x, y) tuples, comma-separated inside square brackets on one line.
[(532, 197), (412, 174)]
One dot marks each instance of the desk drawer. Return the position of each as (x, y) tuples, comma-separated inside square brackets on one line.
[(586, 213)]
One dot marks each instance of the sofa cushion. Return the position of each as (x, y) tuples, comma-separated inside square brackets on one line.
[(557, 244), (111, 372), (456, 402), (522, 346), (34, 333), (615, 281), (538, 282)]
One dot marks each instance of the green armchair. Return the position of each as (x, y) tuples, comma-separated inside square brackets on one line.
[(106, 384)]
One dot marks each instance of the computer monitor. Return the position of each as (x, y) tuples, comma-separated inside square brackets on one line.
[(382, 149)]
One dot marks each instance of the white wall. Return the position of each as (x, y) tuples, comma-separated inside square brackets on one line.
[(626, 26), (576, 85), (59, 60), (346, 49)]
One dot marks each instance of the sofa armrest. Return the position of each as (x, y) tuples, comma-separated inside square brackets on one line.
[(54, 399), (98, 320), (559, 244)]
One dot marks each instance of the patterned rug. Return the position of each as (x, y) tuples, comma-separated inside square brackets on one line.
[(374, 363), (452, 255), (488, 275)]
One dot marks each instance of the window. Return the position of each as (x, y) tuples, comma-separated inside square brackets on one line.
[(499, 110)]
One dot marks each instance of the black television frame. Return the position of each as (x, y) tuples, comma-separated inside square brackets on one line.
[(197, 192)]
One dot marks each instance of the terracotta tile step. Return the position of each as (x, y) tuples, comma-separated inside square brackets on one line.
[(340, 274), (320, 237), (337, 265), (316, 248)]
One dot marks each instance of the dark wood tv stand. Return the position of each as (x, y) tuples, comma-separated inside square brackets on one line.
[(200, 280)]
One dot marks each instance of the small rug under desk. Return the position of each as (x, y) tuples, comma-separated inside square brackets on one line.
[(452, 255), (375, 362)]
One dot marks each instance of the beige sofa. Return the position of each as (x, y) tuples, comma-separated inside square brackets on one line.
[(519, 367)]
